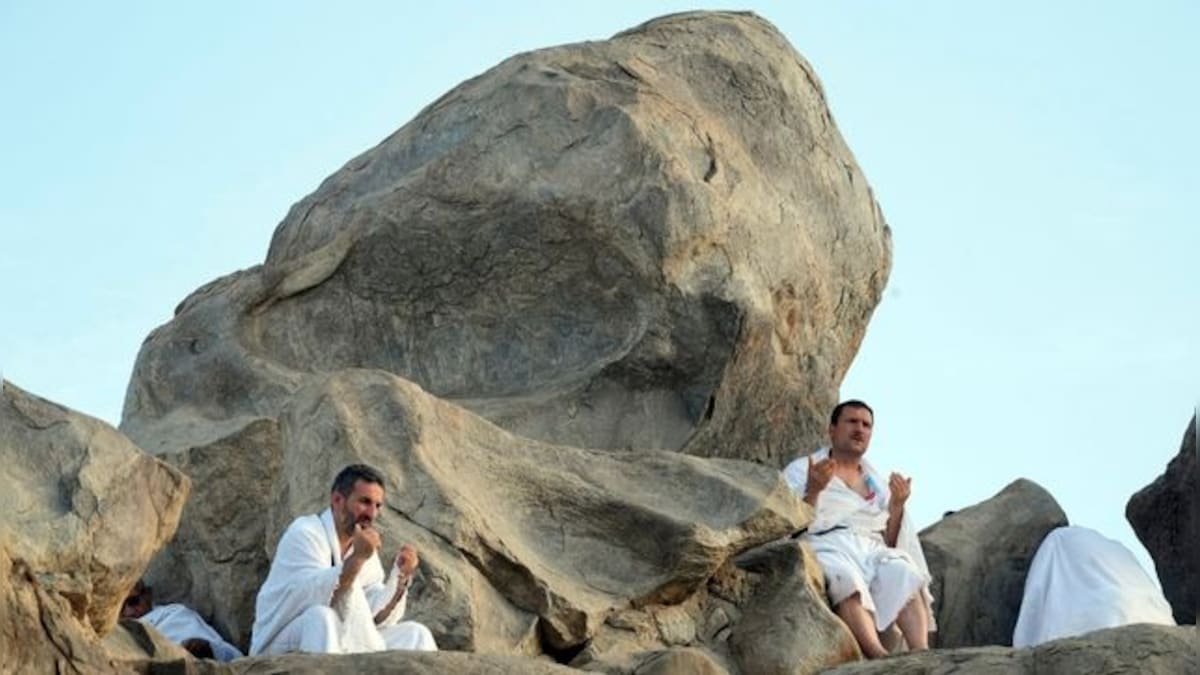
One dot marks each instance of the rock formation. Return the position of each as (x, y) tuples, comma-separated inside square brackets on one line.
[(654, 241), (979, 557), (1141, 648), (531, 547), (1165, 515), (81, 512)]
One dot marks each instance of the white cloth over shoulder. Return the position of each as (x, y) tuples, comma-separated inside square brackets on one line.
[(179, 623), (847, 537), (1080, 581), (292, 611)]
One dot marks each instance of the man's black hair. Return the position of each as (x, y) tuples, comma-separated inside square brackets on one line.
[(852, 403), (347, 477)]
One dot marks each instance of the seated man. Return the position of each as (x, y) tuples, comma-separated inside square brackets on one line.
[(178, 624), (326, 590), (875, 571), (1081, 581)]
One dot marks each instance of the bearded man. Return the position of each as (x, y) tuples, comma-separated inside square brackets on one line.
[(326, 591)]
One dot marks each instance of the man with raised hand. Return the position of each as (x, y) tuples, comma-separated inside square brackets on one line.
[(875, 571), (326, 591)]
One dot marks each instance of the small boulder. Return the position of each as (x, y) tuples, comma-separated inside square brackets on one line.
[(979, 557)]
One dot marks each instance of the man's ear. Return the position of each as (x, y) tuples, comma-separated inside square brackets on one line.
[(336, 499)]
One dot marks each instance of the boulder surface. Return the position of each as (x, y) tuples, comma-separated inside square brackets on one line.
[(657, 241), (979, 558), (82, 510), (1142, 648), (1165, 515)]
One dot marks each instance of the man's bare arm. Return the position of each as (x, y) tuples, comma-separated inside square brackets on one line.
[(819, 475), (900, 488), (365, 541), (405, 564)]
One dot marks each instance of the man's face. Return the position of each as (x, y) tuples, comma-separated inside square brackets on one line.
[(852, 432), (137, 603), (360, 507)]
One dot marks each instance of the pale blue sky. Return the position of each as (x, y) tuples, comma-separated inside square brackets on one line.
[(1036, 162)]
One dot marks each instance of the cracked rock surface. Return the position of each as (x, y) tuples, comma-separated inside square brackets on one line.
[(654, 241), (82, 510)]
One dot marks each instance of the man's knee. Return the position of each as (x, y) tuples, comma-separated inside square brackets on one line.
[(425, 641), (319, 630), (896, 569), (319, 615), (409, 635)]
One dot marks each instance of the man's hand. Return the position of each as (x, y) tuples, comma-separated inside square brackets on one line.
[(406, 563), (407, 560), (819, 475), (900, 488), (366, 541)]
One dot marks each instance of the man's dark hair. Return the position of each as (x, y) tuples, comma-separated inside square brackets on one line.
[(347, 477), (852, 403), (199, 648)]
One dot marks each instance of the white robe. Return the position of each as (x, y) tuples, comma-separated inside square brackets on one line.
[(1081, 581), (855, 557), (292, 611), (179, 623)]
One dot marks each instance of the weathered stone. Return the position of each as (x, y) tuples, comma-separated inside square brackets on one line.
[(217, 560), (677, 661), (607, 245), (682, 661), (562, 533), (82, 509), (1166, 517), (39, 631), (1142, 648), (979, 557), (133, 642), (384, 663), (786, 625)]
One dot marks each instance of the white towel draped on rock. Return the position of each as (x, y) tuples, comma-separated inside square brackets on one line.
[(1081, 581), (179, 623), (292, 611)]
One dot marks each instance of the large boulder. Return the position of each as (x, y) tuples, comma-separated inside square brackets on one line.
[(1165, 515), (1142, 648), (655, 241), (80, 505), (979, 558), (81, 511)]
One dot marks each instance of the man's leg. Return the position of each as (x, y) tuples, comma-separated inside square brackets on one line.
[(315, 630), (862, 625), (914, 623), (408, 635), (319, 630)]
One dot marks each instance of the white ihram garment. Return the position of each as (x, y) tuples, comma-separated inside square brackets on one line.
[(854, 556), (179, 623), (292, 611), (1081, 581)]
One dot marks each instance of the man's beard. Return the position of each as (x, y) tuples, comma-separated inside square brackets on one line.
[(348, 521)]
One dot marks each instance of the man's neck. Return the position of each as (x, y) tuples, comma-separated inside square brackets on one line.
[(846, 458), (343, 539)]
